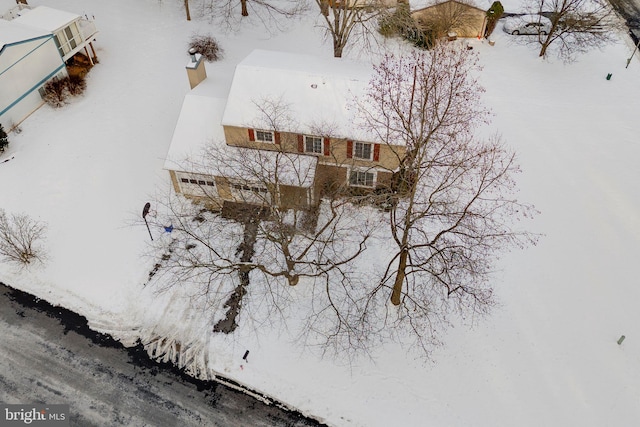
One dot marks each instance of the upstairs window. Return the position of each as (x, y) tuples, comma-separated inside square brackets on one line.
[(69, 34), (267, 136), (362, 150), (313, 144), (264, 136)]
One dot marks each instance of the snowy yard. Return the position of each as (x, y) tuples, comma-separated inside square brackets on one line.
[(546, 356)]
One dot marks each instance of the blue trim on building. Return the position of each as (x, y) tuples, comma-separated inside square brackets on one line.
[(25, 41), (27, 54), (32, 89)]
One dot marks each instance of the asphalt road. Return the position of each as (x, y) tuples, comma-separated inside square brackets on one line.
[(49, 356)]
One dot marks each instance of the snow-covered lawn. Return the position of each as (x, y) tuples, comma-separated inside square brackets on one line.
[(547, 356)]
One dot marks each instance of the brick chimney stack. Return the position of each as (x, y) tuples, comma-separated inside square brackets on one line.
[(195, 69)]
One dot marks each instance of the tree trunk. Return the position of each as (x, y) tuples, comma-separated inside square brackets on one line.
[(337, 49), (245, 11), (543, 51), (549, 37), (186, 7), (400, 275)]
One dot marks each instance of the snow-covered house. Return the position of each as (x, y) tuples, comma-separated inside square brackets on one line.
[(28, 59), (35, 44), (292, 113)]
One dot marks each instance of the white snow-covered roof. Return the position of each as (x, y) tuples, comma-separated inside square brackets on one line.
[(199, 126), (11, 32), (318, 93), (46, 18)]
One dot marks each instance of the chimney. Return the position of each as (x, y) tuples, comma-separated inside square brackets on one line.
[(195, 69)]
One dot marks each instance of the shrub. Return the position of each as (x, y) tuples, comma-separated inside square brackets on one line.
[(394, 23), (493, 14), (420, 38), (76, 85), (20, 238), (386, 27), (401, 23), (4, 139), (207, 46), (58, 90)]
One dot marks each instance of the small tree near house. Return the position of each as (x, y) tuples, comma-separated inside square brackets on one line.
[(21, 239), (4, 139)]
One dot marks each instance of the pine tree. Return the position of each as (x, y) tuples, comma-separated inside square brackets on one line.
[(4, 139)]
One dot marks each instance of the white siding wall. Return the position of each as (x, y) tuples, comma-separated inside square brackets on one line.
[(24, 68)]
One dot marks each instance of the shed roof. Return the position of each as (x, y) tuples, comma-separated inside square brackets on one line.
[(317, 93), (46, 18), (440, 3)]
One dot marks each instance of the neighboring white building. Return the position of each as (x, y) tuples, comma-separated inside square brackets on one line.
[(35, 44), (28, 59)]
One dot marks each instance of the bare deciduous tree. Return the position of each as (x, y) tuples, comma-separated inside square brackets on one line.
[(453, 197), (576, 25), (277, 238), (350, 21), (274, 245), (21, 238)]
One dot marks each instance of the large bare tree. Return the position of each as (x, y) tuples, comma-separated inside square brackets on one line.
[(576, 25), (267, 240), (272, 246), (453, 201)]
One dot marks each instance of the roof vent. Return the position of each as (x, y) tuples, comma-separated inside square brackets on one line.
[(193, 52), (314, 86)]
